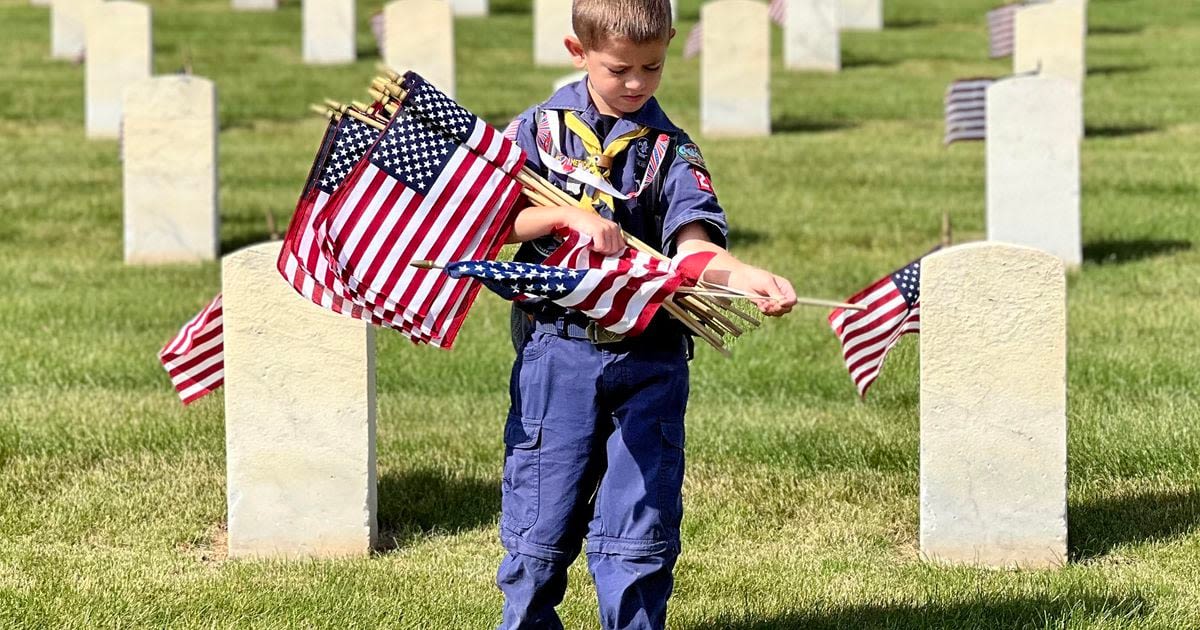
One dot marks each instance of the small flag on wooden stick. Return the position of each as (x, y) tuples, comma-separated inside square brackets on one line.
[(195, 357), (893, 309), (966, 110), (1001, 21)]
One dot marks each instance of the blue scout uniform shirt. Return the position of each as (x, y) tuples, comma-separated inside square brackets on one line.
[(681, 195)]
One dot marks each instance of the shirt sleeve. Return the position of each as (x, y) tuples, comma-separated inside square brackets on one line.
[(688, 197), (523, 130)]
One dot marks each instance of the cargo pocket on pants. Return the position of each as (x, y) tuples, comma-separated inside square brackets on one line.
[(670, 489), (520, 489)]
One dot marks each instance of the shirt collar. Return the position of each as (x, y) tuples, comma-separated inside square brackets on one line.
[(575, 97)]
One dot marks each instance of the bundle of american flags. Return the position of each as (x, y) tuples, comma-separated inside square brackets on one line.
[(893, 309), (412, 177), (620, 292), (966, 110), (776, 12)]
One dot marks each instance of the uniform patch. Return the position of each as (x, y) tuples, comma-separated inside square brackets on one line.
[(703, 181), (691, 154), (510, 132)]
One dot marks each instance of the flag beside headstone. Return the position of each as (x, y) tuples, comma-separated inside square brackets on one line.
[(893, 309), (194, 357), (1001, 23), (966, 110)]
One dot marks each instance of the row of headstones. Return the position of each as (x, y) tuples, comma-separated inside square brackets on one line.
[(992, 436), (168, 130), (1034, 133), (735, 91)]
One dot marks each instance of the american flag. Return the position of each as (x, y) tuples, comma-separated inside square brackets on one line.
[(776, 12), (195, 357), (621, 292), (302, 260), (893, 310), (1001, 22), (439, 185), (966, 113)]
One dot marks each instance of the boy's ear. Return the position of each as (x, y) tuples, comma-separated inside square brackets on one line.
[(672, 35), (575, 48)]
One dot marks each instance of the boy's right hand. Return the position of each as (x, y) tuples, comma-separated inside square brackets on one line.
[(607, 237)]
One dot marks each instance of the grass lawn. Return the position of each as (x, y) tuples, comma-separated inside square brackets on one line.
[(801, 501)]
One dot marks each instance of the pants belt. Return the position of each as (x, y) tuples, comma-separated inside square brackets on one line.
[(575, 326)]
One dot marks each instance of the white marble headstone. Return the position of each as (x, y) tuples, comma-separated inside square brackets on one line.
[(469, 8), (68, 19), (993, 407), (170, 170), (255, 5), (329, 30), (735, 97), (1033, 141), (119, 53), (810, 36), (861, 15), (419, 36), (551, 23), (1048, 38), (299, 418)]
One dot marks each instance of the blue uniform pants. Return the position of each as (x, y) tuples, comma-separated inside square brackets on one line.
[(593, 447)]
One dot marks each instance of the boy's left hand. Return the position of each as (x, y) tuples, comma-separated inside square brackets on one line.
[(763, 282)]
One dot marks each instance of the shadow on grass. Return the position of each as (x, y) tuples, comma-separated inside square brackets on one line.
[(893, 25), (1097, 526), (1115, 30), (1119, 252), (1118, 131), (793, 124), (1011, 612), (1104, 71), (415, 504), (868, 62)]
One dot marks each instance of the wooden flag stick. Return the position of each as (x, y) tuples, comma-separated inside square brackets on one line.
[(947, 231), (730, 292)]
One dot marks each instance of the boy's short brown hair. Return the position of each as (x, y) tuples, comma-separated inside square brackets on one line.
[(640, 21)]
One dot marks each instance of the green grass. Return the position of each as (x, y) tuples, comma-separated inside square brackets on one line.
[(801, 501)]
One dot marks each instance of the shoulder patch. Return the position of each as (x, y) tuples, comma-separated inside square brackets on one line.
[(691, 154), (510, 132)]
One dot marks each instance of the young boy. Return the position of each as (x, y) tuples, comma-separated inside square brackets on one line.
[(594, 437)]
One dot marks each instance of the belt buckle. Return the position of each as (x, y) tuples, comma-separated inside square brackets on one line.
[(599, 336)]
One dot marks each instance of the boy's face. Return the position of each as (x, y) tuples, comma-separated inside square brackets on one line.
[(622, 75)]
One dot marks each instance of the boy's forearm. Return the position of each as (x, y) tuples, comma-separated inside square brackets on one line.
[(722, 269), (535, 222)]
